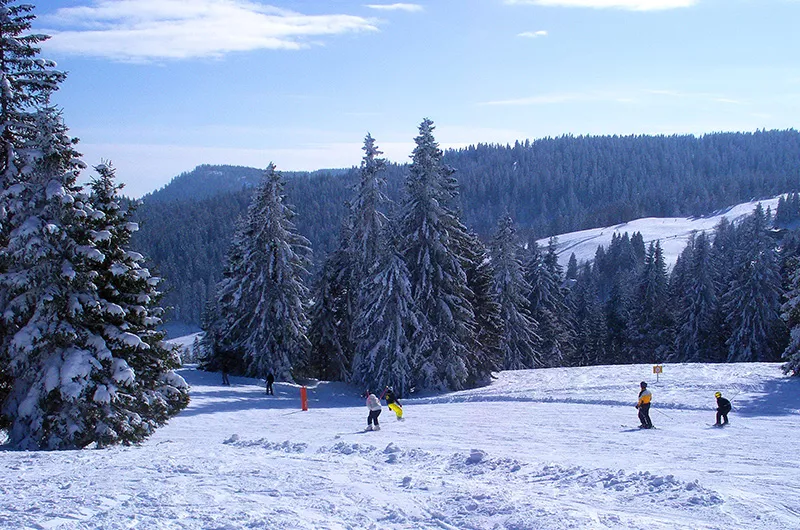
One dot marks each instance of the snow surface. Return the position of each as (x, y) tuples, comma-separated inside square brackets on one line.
[(673, 232), (537, 449)]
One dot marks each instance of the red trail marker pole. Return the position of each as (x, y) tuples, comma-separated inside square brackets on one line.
[(303, 398)]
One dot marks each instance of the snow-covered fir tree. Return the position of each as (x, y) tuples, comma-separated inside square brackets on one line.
[(388, 332), (618, 318), (753, 298), (650, 329), (140, 390), (46, 294), (487, 356), (431, 230), (268, 309), (26, 82), (331, 320), (791, 315), (547, 305), (68, 389), (221, 343), (518, 339), (572, 267), (590, 325), (368, 218), (337, 300), (697, 323)]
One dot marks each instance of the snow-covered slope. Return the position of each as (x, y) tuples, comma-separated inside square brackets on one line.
[(673, 232), (538, 449)]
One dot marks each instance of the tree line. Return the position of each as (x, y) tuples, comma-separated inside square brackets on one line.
[(548, 186), (412, 298)]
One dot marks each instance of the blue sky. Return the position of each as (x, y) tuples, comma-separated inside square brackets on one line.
[(161, 86)]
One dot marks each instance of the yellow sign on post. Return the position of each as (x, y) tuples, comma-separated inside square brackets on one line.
[(657, 369)]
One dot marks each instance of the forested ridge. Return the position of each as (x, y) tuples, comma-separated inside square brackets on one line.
[(547, 186)]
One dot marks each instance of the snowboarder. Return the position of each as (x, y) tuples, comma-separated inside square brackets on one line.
[(270, 380), (644, 407), (393, 403), (374, 406), (723, 408)]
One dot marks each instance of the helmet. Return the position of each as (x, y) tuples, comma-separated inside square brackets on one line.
[(389, 388), (717, 394), (643, 384)]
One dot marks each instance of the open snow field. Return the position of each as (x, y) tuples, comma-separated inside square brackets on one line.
[(538, 449)]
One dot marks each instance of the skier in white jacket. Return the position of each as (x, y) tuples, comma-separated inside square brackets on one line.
[(374, 406)]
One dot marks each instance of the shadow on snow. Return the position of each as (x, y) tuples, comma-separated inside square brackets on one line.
[(780, 397)]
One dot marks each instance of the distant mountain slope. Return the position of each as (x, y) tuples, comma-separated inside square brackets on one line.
[(208, 181), (673, 232), (549, 186)]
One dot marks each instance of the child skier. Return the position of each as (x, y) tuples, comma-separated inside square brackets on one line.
[(393, 403), (644, 407), (723, 408), (374, 406)]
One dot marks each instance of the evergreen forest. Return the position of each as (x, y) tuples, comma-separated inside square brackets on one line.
[(412, 297), (548, 186)]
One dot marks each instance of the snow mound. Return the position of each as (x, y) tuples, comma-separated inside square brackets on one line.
[(285, 447)]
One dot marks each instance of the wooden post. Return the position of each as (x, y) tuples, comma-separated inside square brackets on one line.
[(303, 398)]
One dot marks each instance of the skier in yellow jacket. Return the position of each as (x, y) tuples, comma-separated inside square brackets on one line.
[(644, 407)]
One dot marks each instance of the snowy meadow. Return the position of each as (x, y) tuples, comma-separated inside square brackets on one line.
[(537, 449)]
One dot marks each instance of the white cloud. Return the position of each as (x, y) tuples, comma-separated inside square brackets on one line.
[(411, 8), (533, 34), (631, 5), (142, 30)]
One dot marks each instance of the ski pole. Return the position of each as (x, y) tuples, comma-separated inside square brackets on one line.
[(664, 413)]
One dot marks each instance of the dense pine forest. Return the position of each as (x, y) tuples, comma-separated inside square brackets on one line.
[(410, 295), (547, 187)]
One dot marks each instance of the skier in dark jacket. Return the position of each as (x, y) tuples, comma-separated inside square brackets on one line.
[(224, 368), (270, 380), (392, 402), (723, 408)]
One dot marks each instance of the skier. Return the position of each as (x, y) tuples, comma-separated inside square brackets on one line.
[(270, 380), (393, 403), (224, 368), (374, 406), (644, 407), (723, 408)]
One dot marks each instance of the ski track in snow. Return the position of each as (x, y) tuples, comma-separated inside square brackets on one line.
[(537, 449)]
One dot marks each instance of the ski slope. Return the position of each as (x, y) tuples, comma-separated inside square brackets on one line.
[(673, 232), (537, 449)]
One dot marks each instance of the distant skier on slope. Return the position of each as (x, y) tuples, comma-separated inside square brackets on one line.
[(224, 368), (270, 381), (374, 406), (723, 408), (392, 402), (644, 407)]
